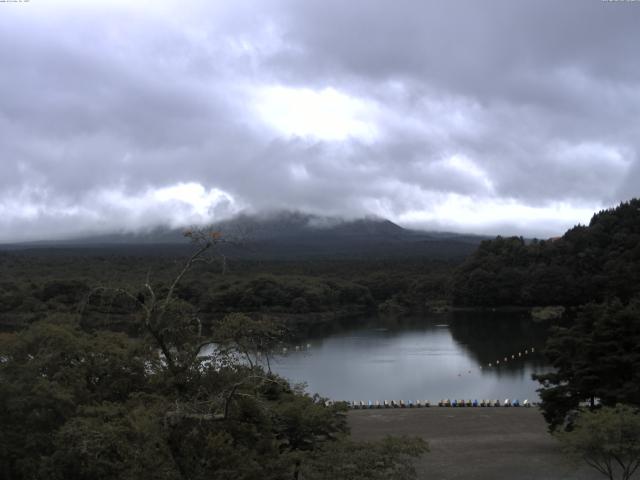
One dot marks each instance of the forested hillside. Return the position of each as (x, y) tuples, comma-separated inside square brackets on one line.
[(36, 284), (587, 264)]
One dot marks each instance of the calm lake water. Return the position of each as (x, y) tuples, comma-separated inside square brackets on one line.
[(441, 356)]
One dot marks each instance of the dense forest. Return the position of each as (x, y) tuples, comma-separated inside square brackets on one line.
[(587, 264), (103, 375), (38, 283), (596, 357), (174, 401)]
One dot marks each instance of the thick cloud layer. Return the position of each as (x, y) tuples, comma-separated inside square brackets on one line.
[(494, 117)]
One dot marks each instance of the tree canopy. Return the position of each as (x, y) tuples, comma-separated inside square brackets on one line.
[(170, 404), (587, 264), (607, 439), (596, 360)]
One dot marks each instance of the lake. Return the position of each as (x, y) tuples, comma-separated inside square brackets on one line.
[(429, 358)]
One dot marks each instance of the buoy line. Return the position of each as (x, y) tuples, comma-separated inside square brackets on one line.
[(501, 361)]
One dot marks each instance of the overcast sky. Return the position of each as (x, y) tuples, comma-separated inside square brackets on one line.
[(493, 116)]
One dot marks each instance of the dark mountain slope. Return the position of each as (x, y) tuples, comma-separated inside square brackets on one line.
[(290, 235)]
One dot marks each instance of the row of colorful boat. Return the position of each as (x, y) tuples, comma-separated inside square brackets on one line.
[(442, 403)]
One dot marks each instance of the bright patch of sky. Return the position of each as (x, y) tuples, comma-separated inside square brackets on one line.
[(325, 114)]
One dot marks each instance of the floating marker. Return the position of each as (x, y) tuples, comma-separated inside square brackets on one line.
[(533, 349), (519, 354), (489, 365)]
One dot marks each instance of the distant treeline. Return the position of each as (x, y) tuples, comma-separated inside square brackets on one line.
[(587, 264), (35, 286)]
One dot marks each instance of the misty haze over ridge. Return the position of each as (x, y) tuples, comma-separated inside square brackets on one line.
[(124, 116), (278, 235)]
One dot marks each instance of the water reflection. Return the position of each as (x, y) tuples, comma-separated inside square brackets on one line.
[(421, 358)]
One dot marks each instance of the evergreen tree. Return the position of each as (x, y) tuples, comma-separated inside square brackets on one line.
[(596, 360)]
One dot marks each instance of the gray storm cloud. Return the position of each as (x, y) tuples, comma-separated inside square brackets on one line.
[(494, 117)]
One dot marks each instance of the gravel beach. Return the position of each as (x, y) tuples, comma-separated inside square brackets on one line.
[(475, 443)]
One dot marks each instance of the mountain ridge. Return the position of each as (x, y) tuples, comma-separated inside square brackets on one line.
[(286, 234)]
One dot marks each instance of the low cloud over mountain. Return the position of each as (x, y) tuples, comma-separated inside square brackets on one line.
[(513, 117)]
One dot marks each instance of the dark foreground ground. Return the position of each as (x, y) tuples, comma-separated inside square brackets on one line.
[(475, 443)]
